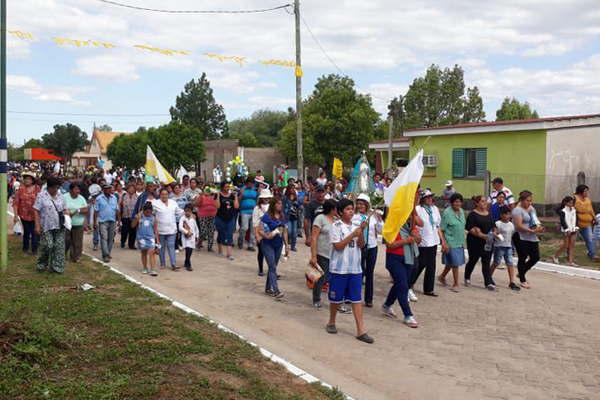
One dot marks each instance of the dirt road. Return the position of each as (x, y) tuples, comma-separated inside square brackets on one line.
[(542, 343)]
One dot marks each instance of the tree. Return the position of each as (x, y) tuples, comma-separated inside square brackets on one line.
[(65, 140), (439, 98), (261, 128), (15, 153), (177, 144), (129, 150), (396, 112), (337, 122), (196, 107), (104, 128), (512, 109)]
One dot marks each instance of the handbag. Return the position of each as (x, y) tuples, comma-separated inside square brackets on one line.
[(312, 274), (61, 217)]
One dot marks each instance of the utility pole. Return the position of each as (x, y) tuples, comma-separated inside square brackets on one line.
[(299, 155), (3, 145)]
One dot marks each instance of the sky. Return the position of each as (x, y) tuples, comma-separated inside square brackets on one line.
[(544, 52)]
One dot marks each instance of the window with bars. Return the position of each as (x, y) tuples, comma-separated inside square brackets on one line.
[(469, 163)]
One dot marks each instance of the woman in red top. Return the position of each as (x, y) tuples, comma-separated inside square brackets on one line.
[(23, 209), (206, 207)]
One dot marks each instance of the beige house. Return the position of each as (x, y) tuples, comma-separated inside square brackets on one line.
[(96, 150)]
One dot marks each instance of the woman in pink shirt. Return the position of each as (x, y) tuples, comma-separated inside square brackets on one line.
[(206, 207), (23, 209)]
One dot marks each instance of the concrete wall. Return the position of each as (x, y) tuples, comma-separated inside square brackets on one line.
[(568, 152), (262, 158)]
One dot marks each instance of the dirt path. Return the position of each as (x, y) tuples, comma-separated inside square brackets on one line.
[(539, 344)]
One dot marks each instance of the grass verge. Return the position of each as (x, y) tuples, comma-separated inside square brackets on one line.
[(551, 240), (119, 341)]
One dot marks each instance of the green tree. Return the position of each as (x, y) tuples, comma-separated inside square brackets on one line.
[(263, 125), (104, 128), (512, 109), (15, 153), (337, 122), (129, 150), (439, 98), (396, 111), (65, 140), (177, 144), (33, 143), (196, 107)]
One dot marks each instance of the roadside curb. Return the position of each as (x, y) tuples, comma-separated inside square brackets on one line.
[(293, 369), (571, 271)]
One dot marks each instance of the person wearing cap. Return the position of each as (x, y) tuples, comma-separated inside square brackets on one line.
[(206, 207), (77, 208), (498, 185), (374, 226), (262, 206), (106, 219), (314, 208), (248, 196), (49, 210), (431, 237), (23, 202), (345, 274), (448, 192)]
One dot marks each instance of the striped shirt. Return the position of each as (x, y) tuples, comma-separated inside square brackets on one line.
[(346, 261)]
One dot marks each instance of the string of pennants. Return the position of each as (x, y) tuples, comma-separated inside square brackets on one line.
[(240, 60)]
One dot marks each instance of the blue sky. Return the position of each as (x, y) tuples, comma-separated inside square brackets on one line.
[(544, 52)]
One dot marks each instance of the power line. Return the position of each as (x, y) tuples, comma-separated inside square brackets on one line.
[(255, 11), (86, 115)]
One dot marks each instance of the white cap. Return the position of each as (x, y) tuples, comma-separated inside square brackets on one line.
[(449, 183), (364, 197), (265, 194)]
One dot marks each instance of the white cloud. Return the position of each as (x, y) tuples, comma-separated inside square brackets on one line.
[(382, 94), (63, 94), (107, 67)]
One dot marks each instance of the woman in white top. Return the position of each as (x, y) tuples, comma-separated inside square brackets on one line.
[(569, 228), (262, 206), (431, 238), (166, 212), (369, 252)]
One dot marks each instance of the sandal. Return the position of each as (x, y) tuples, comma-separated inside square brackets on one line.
[(442, 280), (365, 338), (331, 329)]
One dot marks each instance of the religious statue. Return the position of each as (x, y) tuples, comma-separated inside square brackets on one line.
[(364, 175), (217, 174)]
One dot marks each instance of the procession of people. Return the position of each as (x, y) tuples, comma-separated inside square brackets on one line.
[(342, 229)]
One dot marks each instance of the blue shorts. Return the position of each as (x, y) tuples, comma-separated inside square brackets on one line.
[(345, 287), (503, 253), (455, 257), (225, 231)]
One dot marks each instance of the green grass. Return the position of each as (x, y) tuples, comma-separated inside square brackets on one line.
[(119, 341), (551, 240)]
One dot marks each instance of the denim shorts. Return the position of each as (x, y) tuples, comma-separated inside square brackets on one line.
[(455, 257), (225, 231), (345, 287), (503, 253)]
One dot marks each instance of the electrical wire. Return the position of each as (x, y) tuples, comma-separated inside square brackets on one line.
[(84, 114), (255, 11)]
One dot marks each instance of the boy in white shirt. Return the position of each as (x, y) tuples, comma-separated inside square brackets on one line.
[(503, 233), (189, 234)]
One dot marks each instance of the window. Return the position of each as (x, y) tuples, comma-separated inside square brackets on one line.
[(469, 163)]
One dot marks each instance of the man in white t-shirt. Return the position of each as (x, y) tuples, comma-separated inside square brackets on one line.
[(108, 177), (498, 185), (345, 273)]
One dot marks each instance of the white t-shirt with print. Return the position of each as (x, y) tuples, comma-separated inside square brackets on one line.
[(346, 261)]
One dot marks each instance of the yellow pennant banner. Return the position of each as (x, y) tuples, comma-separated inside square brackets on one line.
[(82, 43), (21, 35), (238, 59), (281, 63), (166, 52)]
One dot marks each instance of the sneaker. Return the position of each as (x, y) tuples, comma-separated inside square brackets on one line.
[(491, 288), (411, 322), (317, 305), (388, 311), (269, 292), (95, 248), (261, 274), (278, 295), (153, 273), (412, 296), (514, 286), (467, 282), (344, 309), (106, 259), (365, 338), (145, 270)]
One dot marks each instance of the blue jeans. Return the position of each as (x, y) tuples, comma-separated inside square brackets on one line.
[(292, 227), (401, 274), (29, 235), (588, 236), (246, 225), (225, 231), (167, 243), (271, 252), (96, 237), (107, 237)]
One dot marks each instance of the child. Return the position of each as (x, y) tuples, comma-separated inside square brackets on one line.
[(503, 245), (497, 206), (569, 228), (147, 237), (189, 234)]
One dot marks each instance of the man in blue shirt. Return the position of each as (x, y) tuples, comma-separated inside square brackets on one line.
[(105, 219)]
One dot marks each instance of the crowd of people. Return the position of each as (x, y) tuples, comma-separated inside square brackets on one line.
[(343, 231)]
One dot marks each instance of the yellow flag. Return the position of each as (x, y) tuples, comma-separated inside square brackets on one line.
[(400, 197), (337, 168), (154, 168)]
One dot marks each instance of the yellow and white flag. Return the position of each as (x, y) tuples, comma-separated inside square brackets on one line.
[(337, 170), (400, 197), (154, 168)]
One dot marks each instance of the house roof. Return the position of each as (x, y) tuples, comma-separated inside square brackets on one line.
[(548, 123), (105, 138)]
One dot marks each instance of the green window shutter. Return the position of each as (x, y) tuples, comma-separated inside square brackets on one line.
[(480, 162), (458, 163)]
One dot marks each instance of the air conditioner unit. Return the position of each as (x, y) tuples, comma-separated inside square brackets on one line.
[(430, 161)]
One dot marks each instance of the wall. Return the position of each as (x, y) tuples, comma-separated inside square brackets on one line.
[(570, 151), (263, 159), (518, 157)]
